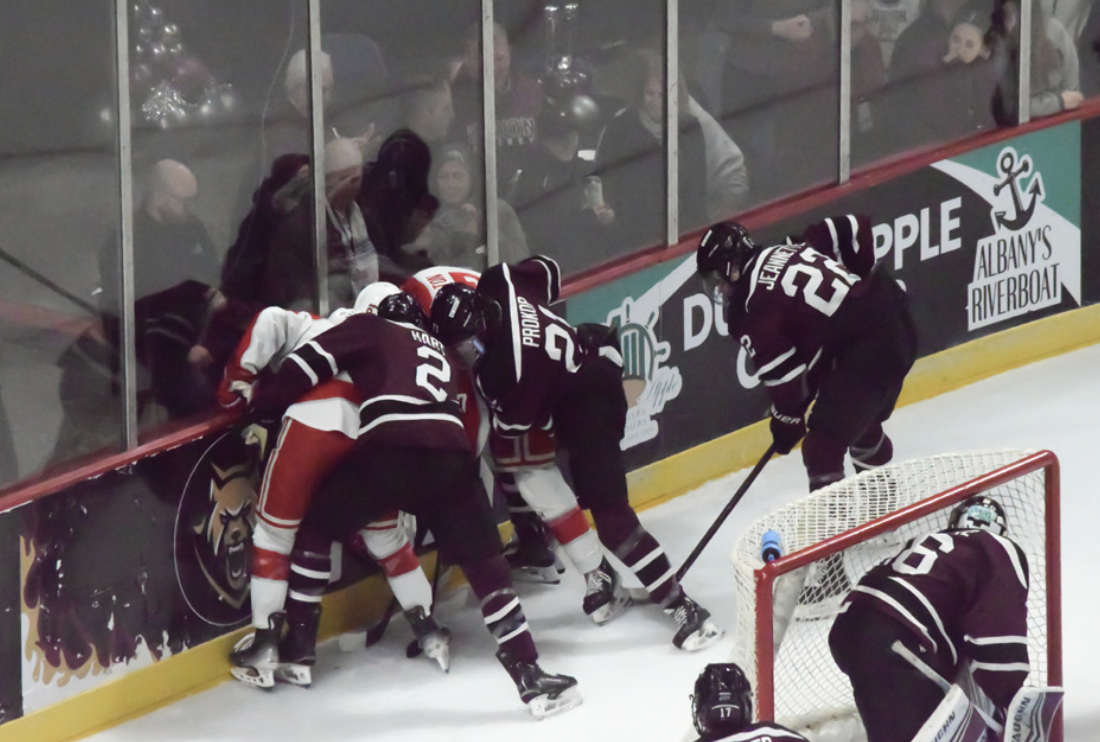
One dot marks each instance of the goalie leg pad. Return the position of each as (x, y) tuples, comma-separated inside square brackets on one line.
[(954, 720)]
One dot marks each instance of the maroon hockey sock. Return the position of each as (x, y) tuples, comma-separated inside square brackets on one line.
[(824, 459), (621, 532), (310, 569), (872, 449), (491, 582)]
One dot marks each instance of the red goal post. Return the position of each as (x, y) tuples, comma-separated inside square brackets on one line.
[(832, 537)]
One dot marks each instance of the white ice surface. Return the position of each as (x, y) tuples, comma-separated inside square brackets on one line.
[(635, 683)]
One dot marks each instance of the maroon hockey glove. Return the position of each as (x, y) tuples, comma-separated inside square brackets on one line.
[(787, 430)]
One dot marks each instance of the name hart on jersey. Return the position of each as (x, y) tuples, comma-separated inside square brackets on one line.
[(429, 340), (774, 265), (529, 328)]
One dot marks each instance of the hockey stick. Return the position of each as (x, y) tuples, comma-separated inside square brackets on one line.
[(725, 512)]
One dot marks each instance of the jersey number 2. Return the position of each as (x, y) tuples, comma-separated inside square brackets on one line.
[(435, 366)]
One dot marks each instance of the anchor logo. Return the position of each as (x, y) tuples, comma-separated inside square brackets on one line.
[(1014, 170)]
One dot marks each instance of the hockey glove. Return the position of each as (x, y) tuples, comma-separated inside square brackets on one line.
[(787, 430)]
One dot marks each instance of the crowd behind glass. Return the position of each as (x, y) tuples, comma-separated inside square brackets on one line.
[(215, 166)]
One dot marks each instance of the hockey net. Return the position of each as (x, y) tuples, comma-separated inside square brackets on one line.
[(832, 537)]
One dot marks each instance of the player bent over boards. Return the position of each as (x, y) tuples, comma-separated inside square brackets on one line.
[(413, 453), (536, 371)]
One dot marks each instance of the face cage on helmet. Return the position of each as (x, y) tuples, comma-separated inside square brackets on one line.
[(717, 287), (469, 351)]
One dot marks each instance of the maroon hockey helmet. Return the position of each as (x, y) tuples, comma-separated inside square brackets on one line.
[(723, 250), (979, 511), (463, 318), (722, 701), (400, 307)]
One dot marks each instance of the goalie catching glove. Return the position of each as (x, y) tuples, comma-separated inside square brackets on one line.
[(787, 430)]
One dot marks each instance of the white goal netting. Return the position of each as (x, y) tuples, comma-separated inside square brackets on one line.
[(833, 536)]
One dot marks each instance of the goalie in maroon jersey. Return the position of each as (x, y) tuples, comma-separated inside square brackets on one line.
[(820, 321), (951, 604), (536, 371), (414, 452)]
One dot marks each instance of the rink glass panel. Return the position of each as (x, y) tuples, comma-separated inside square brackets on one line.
[(58, 208)]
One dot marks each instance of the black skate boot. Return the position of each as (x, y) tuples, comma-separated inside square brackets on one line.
[(431, 638), (298, 650), (544, 694), (604, 598), (695, 630), (533, 562), (255, 658)]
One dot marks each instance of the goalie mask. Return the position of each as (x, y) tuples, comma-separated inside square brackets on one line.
[(979, 511), (723, 251), (722, 702), (401, 307)]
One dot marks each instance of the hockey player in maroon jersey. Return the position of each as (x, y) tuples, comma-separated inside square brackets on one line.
[(537, 493), (315, 433), (414, 452), (721, 708), (951, 603), (820, 321), (537, 371)]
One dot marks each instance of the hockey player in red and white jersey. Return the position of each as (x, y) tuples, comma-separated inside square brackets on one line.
[(415, 451), (526, 468), (822, 323), (536, 371), (316, 432), (950, 604), (721, 708)]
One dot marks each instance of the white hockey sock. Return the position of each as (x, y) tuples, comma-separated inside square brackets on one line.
[(268, 596), (584, 551), (412, 589)]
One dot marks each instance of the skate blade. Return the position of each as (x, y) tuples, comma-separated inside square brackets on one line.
[(538, 575), (264, 679), (544, 706), (608, 613), (441, 653), (707, 636), (291, 674)]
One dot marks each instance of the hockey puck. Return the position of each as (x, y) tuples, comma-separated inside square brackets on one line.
[(413, 650)]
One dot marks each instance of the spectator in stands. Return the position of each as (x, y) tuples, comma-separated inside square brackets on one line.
[(519, 99), (175, 292), (868, 81), (1088, 55), (429, 110), (352, 259), (913, 103), (397, 204), (456, 235), (1055, 74), (560, 216), (779, 89), (630, 160), (970, 77)]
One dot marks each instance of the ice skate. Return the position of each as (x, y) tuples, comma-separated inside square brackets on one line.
[(544, 694), (298, 651), (533, 563), (604, 598), (695, 631), (431, 638), (255, 658)]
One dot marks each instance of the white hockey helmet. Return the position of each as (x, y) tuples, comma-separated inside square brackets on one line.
[(370, 297)]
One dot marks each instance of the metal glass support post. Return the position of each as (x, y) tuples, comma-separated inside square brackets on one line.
[(672, 122), (126, 223), (317, 156), (489, 133), (844, 128), (1024, 73)]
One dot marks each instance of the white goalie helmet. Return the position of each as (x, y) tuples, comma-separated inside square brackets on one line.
[(371, 296)]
